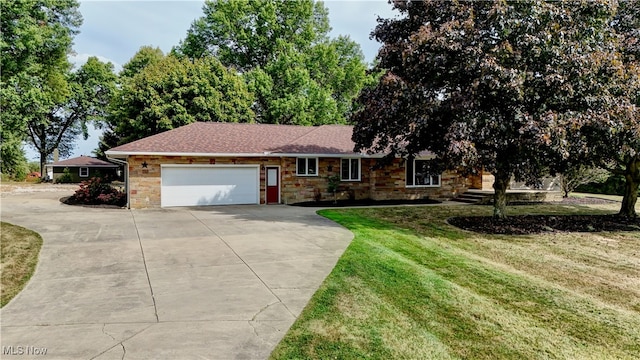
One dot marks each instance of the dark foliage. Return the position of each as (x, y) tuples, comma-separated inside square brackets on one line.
[(614, 185), (486, 84)]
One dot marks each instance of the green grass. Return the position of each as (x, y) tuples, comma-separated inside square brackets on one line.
[(19, 255), (411, 286)]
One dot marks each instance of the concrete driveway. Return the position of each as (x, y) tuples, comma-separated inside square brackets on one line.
[(205, 283)]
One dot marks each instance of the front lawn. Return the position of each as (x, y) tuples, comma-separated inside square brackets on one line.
[(19, 255), (412, 286)]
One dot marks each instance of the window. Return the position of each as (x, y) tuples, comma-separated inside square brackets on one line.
[(307, 167), (420, 175), (350, 169), (84, 172)]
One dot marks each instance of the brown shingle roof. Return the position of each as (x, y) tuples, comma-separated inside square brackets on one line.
[(83, 161), (233, 138)]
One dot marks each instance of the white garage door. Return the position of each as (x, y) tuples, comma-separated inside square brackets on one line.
[(210, 185)]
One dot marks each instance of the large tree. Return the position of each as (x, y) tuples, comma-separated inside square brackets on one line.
[(56, 121), (36, 37), (297, 73), (170, 92), (613, 141), (627, 158), (483, 84), (146, 55)]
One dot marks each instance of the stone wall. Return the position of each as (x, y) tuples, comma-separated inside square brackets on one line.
[(305, 188), (381, 184), (144, 183), (388, 183), (482, 181)]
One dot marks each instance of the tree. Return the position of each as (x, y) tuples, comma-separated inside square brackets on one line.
[(616, 138), (573, 177), (57, 120), (35, 40), (296, 72), (484, 83), (249, 34), (172, 92), (145, 56)]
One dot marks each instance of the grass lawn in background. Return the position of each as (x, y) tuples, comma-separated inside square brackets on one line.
[(19, 255), (411, 286)]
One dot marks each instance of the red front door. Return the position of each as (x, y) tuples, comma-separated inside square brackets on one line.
[(273, 185)]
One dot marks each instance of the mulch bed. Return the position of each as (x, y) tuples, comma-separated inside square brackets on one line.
[(536, 224), (365, 202), (68, 200)]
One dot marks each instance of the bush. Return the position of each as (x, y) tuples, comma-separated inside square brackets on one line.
[(97, 192), (65, 178), (614, 185), (33, 166), (580, 175)]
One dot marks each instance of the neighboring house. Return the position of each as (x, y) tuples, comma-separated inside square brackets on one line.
[(228, 163), (82, 168)]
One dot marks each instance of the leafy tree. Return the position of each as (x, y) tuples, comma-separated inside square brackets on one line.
[(249, 33), (614, 140), (297, 73), (37, 35), (59, 119), (14, 162), (146, 56), (35, 40), (572, 178), (172, 92), (484, 83)]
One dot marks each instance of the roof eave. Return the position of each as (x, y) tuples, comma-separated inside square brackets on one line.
[(84, 165), (124, 154)]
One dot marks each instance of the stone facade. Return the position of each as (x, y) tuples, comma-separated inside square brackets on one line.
[(482, 181), (387, 183)]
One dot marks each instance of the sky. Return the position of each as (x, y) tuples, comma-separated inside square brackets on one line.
[(115, 30)]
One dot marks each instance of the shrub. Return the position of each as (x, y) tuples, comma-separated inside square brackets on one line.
[(579, 175), (97, 192), (20, 173), (33, 166), (613, 185), (333, 185), (65, 178)]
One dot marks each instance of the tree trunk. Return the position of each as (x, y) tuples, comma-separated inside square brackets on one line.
[(632, 177), (500, 195), (564, 185), (628, 208), (43, 162)]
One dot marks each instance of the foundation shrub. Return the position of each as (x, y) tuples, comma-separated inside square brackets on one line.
[(96, 191)]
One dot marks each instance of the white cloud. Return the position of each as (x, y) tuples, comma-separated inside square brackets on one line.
[(80, 59)]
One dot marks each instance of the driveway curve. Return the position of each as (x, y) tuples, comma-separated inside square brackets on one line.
[(206, 283)]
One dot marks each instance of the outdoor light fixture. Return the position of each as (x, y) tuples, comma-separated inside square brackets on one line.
[(144, 165), (330, 168)]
